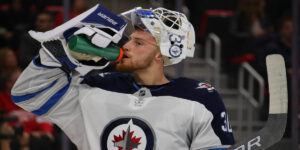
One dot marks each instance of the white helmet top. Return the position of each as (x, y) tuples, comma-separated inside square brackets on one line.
[(173, 33)]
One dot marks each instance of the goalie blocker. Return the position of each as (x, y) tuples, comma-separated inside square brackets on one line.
[(99, 28)]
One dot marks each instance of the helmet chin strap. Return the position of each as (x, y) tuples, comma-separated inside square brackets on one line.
[(157, 34)]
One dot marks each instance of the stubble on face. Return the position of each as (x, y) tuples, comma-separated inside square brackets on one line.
[(124, 67), (138, 64)]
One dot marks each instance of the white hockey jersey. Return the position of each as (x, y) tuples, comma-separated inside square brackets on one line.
[(111, 112)]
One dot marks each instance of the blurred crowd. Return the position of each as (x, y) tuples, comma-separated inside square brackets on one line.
[(249, 30), (21, 130)]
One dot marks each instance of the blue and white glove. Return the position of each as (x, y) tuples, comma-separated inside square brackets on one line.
[(98, 24)]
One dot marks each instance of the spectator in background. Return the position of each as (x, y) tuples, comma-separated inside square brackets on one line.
[(8, 60), (35, 134), (29, 47), (5, 130), (8, 79), (15, 21), (77, 7), (276, 8), (249, 22), (281, 44)]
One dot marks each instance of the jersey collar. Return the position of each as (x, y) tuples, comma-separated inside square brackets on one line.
[(152, 88)]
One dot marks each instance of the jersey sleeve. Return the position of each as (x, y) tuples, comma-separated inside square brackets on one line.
[(220, 123), (50, 92), (203, 135), (211, 126)]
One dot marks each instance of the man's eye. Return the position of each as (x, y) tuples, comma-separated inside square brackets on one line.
[(138, 43)]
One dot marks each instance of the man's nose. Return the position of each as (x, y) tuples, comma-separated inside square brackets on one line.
[(126, 47)]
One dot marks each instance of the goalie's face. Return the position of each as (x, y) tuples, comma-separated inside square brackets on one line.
[(141, 52)]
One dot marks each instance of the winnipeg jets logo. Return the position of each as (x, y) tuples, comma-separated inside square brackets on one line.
[(175, 51), (127, 134), (126, 140), (205, 86)]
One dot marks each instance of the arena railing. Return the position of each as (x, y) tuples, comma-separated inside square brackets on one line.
[(251, 86), (213, 58)]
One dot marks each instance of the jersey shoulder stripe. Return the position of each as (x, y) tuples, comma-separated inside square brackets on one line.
[(52, 101), (21, 98)]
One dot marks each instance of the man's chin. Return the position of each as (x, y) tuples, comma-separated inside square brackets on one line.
[(124, 68)]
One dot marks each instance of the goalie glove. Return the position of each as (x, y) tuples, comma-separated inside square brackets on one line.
[(97, 24), (56, 50)]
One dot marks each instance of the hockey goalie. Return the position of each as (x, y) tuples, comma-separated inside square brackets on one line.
[(134, 108)]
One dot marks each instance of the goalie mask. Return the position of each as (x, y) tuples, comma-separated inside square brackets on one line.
[(173, 33)]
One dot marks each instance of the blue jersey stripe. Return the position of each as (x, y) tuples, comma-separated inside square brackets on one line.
[(17, 99), (53, 100)]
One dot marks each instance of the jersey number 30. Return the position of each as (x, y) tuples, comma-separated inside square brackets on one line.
[(226, 127)]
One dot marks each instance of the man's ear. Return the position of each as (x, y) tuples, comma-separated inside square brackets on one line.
[(159, 57)]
